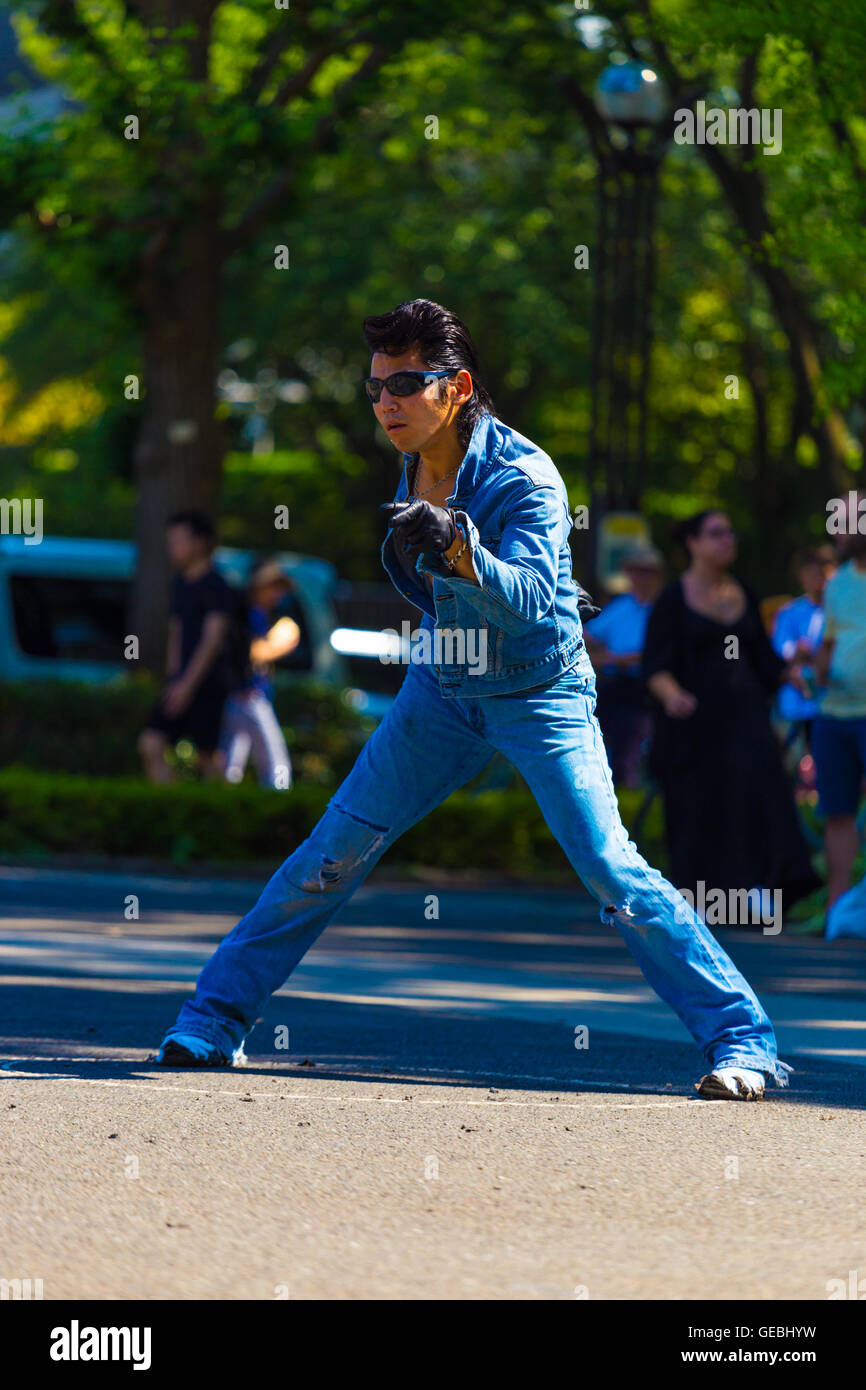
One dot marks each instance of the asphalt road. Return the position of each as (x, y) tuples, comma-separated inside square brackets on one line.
[(415, 1120)]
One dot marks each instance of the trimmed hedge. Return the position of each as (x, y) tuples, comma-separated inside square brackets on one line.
[(69, 726), (122, 816), (492, 831)]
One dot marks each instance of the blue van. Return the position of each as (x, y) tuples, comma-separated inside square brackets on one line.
[(64, 609)]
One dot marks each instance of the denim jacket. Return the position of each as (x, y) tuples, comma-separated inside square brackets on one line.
[(520, 625)]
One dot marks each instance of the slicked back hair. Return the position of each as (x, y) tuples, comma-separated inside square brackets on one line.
[(442, 340)]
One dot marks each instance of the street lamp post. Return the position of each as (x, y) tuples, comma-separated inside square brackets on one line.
[(631, 101)]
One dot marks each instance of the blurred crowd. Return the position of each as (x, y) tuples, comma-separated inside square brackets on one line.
[(222, 646), (702, 689)]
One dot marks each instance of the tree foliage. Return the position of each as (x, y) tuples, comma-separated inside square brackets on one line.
[(309, 128)]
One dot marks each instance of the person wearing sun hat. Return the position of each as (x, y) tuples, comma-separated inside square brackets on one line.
[(250, 728), (615, 641)]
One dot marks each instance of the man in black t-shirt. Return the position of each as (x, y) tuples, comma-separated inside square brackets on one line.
[(200, 664)]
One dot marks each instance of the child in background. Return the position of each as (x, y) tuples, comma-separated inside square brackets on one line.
[(250, 726), (798, 630)]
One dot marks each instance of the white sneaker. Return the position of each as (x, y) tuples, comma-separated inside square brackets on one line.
[(731, 1083)]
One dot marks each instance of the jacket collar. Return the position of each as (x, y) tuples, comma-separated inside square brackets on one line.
[(484, 447)]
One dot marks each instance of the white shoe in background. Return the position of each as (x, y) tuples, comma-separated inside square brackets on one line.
[(847, 916)]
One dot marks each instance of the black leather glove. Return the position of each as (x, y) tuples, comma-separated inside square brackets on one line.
[(423, 526), (586, 605)]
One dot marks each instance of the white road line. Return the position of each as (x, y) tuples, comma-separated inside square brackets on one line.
[(108, 1061), (443, 1073), (346, 1100), (392, 1078)]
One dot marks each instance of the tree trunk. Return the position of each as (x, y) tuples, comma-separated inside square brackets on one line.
[(744, 189), (771, 502), (179, 450)]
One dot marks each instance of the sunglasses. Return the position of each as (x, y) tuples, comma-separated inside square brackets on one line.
[(403, 383)]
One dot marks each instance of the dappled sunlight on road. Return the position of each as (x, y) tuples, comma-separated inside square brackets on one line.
[(459, 989), (512, 954)]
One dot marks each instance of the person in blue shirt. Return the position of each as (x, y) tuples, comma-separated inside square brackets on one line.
[(615, 641), (798, 630), (839, 732), (250, 727)]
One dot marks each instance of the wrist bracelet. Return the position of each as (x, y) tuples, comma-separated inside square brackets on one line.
[(462, 551)]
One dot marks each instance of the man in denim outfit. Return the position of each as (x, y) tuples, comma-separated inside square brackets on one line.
[(483, 551)]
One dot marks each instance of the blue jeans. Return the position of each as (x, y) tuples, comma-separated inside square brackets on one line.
[(425, 748)]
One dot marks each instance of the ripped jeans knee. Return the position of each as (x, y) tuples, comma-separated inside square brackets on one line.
[(645, 907), (611, 914), (342, 848), (631, 893)]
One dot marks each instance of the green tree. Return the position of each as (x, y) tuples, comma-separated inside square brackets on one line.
[(197, 124), (485, 218), (799, 217)]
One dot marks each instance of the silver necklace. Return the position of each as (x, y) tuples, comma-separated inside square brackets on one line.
[(436, 484)]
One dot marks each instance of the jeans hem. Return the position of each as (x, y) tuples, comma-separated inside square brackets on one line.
[(215, 1035)]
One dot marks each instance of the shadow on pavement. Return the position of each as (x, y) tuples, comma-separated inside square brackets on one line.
[(87, 1029)]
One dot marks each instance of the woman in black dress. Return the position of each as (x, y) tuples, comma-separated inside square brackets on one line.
[(729, 809)]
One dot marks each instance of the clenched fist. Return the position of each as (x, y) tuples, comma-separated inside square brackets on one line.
[(423, 526)]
